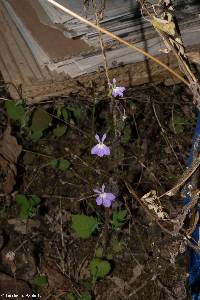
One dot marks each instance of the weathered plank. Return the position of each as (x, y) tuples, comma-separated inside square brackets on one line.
[(20, 42), (13, 47)]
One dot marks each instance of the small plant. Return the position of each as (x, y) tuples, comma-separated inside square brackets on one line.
[(118, 218), (178, 123), (84, 225), (99, 252), (59, 130), (40, 280), (76, 112), (84, 296), (60, 164), (40, 121), (71, 296), (28, 207), (62, 112), (99, 268), (15, 111)]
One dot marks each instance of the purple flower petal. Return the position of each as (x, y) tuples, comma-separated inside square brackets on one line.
[(104, 198), (99, 200), (97, 138), (110, 196), (95, 150), (100, 151), (118, 91), (114, 81), (106, 150), (106, 202), (103, 137)]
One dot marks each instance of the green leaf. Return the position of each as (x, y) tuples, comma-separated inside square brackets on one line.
[(84, 225), (71, 296), (99, 252), (126, 134), (25, 211), (59, 131), (15, 111), (118, 218), (65, 114), (76, 112), (27, 206), (59, 111), (24, 205), (86, 296), (40, 120), (35, 200), (109, 256), (40, 280), (99, 268), (54, 163), (36, 135), (120, 215), (178, 124), (63, 164), (21, 199)]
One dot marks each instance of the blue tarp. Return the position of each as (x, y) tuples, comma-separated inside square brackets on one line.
[(194, 257)]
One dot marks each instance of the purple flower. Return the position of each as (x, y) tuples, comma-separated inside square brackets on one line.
[(104, 198), (100, 149), (117, 90)]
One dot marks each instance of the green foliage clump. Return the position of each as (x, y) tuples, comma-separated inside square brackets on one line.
[(99, 252), (84, 225), (119, 218), (60, 164), (40, 280), (27, 206), (59, 130), (99, 268), (76, 111), (84, 296), (15, 111), (178, 123), (40, 121)]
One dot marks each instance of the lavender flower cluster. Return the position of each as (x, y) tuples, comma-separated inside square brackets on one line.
[(100, 149)]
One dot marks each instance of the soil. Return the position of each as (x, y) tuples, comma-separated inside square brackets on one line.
[(149, 146)]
